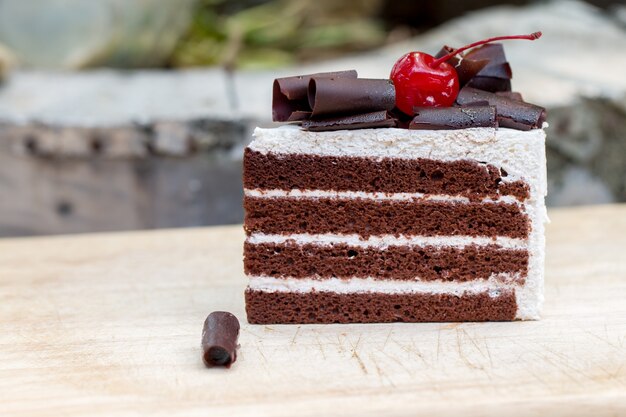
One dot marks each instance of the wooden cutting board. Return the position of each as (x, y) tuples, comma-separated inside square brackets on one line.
[(110, 325)]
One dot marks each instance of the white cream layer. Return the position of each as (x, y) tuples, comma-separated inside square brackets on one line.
[(383, 241), (380, 196), (368, 285)]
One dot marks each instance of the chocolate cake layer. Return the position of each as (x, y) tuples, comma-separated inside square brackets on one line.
[(371, 217), (328, 307), (392, 175), (395, 262)]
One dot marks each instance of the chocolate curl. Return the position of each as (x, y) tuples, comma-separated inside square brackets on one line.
[(336, 96), (402, 120), (490, 84), (502, 71), (473, 104), (512, 95), (290, 100), (358, 121), (494, 53), (510, 113), (466, 68), (219, 339), (440, 118), (445, 50), (497, 74)]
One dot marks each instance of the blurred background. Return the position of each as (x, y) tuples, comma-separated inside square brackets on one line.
[(133, 114)]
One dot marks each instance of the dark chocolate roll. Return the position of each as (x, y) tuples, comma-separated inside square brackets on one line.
[(439, 118), (494, 53), (466, 68), (497, 74), (445, 50), (503, 71), (510, 113), (473, 103), (491, 84), (219, 339), (513, 95), (337, 96), (353, 121), (290, 95)]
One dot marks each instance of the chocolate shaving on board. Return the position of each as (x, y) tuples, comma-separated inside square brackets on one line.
[(336, 96), (466, 68), (219, 339), (440, 118), (510, 113), (290, 95), (358, 121)]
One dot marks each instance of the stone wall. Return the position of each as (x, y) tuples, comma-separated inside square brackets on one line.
[(150, 175)]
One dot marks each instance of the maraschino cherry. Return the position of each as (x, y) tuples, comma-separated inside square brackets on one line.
[(422, 80)]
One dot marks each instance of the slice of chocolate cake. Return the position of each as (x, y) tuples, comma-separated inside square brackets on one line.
[(380, 225), (419, 198)]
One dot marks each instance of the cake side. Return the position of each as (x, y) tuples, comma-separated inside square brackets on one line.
[(271, 307), (464, 219)]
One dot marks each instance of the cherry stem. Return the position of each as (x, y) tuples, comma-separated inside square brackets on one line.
[(531, 37)]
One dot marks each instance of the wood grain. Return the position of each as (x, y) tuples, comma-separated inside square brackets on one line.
[(110, 325)]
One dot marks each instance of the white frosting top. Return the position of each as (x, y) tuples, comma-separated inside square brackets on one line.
[(520, 153)]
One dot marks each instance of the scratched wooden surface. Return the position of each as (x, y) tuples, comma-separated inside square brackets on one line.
[(110, 325)]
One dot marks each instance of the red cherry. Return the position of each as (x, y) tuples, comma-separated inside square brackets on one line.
[(421, 80), (419, 84)]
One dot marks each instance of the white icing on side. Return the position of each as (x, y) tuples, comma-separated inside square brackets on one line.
[(384, 241), (494, 285), (530, 297)]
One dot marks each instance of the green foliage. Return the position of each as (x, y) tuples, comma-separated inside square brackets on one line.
[(277, 33)]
